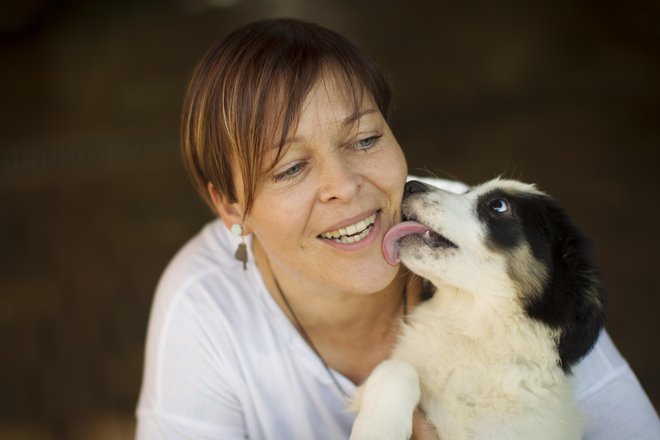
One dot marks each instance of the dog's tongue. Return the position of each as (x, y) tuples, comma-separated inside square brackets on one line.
[(396, 233)]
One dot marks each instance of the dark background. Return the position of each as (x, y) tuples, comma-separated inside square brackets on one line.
[(94, 202)]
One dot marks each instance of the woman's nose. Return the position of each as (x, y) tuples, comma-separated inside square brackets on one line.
[(340, 181)]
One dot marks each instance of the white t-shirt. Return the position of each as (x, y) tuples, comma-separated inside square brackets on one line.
[(223, 362)]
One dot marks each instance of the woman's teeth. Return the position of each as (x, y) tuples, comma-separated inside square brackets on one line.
[(352, 233)]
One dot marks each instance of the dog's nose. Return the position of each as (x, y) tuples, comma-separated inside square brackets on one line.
[(414, 186)]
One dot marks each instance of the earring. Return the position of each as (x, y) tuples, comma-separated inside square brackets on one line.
[(241, 251)]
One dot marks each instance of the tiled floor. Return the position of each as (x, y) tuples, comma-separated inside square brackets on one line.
[(94, 201)]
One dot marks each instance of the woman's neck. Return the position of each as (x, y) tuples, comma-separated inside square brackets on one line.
[(352, 332)]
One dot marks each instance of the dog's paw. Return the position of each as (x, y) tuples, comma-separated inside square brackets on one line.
[(386, 403)]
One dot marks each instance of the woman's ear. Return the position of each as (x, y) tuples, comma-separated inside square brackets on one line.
[(230, 212)]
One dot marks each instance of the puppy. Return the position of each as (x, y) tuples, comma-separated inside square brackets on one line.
[(517, 303)]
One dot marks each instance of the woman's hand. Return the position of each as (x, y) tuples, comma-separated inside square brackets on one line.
[(422, 428)]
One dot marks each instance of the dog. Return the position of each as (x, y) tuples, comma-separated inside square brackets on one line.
[(517, 303)]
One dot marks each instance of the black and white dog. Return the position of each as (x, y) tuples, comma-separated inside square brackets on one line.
[(517, 304)]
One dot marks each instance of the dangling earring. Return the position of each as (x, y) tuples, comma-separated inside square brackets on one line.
[(241, 251)]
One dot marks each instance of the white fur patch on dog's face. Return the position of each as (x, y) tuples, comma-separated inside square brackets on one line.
[(479, 246)]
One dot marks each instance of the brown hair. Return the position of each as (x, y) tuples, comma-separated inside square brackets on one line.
[(245, 96)]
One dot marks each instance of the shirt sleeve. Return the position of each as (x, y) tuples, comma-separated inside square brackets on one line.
[(188, 391), (614, 403)]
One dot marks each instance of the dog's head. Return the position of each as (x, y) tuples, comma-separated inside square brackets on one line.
[(500, 241)]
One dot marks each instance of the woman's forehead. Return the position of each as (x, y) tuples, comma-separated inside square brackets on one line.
[(333, 101)]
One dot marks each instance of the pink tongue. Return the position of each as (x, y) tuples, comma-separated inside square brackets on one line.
[(396, 233)]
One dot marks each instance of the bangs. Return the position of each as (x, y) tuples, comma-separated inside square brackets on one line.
[(282, 122)]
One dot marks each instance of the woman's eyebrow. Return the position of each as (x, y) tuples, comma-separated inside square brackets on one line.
[(350, 120)]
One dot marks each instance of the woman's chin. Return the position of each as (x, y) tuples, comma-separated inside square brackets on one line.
[(367, 279)]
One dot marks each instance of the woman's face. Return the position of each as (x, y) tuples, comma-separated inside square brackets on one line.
[(321, 214)]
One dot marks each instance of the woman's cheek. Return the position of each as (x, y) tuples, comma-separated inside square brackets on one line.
[(401, 170)]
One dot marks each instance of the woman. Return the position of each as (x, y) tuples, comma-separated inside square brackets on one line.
[(264, 323)]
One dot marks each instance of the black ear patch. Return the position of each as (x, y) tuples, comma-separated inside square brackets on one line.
[(573, 300)]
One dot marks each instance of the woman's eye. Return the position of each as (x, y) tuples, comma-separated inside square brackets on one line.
[(367, 143), (499, 205), (290, 172)]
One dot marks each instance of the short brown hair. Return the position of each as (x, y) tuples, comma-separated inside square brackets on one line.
[(245, 96)]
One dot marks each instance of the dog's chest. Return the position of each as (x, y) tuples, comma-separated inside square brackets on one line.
[(470, 361)]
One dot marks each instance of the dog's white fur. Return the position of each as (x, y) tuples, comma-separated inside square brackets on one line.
[(476, 364)]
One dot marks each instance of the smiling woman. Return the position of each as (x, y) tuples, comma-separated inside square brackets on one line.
[(285, 136), (333, 185)]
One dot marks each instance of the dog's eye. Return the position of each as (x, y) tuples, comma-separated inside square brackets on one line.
[(499, 205)]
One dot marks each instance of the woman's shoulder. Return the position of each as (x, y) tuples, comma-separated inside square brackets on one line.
[(205, 279), (208, 250)]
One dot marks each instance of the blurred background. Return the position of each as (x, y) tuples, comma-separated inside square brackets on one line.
[(94, 201)]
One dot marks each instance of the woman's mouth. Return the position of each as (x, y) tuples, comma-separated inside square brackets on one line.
[(351, 233)]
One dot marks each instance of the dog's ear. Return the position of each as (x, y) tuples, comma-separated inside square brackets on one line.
[(573, 301)]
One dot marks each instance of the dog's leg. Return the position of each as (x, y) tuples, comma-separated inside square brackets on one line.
[(386, 403)]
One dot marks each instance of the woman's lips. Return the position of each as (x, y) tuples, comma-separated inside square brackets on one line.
[(352, 233), (346, 240)]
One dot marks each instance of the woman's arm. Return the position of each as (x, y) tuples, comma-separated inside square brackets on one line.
[(614, 403), (187, 393)]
